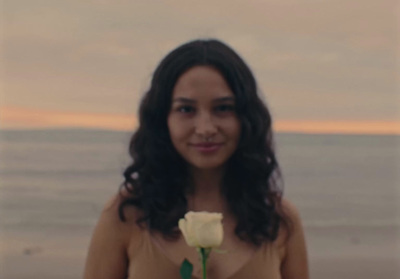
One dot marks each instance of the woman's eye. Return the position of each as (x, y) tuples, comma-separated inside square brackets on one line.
[(185, 109), (189, 109), (224, 108)]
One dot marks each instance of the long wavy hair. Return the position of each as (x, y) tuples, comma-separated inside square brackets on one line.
[(157, 179)]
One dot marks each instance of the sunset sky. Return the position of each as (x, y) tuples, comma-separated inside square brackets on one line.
[(322, 66)]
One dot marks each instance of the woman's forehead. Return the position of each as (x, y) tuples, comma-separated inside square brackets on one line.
[(200, 82), (195, 101)]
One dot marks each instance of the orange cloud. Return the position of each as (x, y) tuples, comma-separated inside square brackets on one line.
[(16, 117), (22, 118), (339, 127)]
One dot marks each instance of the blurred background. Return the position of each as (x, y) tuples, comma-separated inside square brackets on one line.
[(73, 73)]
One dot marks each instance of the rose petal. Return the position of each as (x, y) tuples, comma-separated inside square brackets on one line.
[(187, 233), (210, 235), (191, 229)]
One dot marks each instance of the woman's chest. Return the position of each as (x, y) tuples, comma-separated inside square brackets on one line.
[(238, 259), (220, 264)]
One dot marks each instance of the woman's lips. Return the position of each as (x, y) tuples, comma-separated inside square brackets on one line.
[(207, 148)]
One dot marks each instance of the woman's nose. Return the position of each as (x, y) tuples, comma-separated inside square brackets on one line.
[(205, 125)]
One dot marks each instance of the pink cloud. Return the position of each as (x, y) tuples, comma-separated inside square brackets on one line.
[(22, 118)]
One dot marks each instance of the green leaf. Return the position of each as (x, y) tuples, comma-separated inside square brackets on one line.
[(186, 269)]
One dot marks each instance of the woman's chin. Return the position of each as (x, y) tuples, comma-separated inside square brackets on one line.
[(207, 165)]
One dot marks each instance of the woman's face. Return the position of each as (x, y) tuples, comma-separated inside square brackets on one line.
[(203, 106)]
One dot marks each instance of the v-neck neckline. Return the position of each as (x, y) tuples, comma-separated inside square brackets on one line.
[(159, 251)]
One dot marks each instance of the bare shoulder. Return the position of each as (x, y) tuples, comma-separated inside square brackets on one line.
[(295, 221), (292, 216), (111, 215), (107, 254), (295, 261), (288, 226), (291, 210)]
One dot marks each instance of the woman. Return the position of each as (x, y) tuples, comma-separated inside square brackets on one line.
[(204, 143)]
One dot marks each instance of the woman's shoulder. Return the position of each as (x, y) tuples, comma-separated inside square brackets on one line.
[(128, 230), (112, 238), (292, 216), (112, 207), (292, 221), (294, 258), (290, 209)]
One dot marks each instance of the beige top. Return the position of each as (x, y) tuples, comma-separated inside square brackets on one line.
[(148, 261)]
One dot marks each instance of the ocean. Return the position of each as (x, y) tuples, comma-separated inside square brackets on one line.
[(53, 184)]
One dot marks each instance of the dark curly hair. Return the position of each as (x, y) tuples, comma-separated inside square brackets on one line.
[(158, 177)]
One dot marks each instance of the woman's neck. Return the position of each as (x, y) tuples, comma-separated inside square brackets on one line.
[(205, 191)]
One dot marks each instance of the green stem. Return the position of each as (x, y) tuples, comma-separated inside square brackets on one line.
[(203, 260)]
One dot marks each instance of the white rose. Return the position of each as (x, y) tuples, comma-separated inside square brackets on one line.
[(202, 229)]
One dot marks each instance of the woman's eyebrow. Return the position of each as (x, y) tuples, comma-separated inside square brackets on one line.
[(191, 101)]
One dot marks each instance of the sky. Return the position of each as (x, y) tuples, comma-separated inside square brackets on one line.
[(326, 66)]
